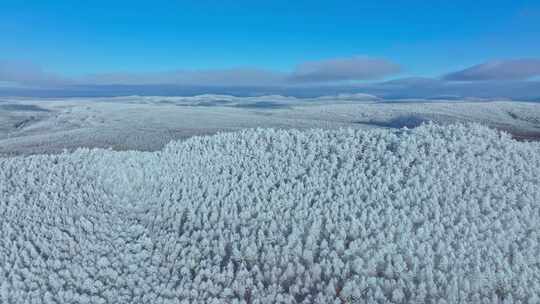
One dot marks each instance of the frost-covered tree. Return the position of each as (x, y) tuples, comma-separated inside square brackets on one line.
[(445, 214)]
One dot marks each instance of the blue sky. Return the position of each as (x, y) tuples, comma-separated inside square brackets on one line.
[(149, 40)]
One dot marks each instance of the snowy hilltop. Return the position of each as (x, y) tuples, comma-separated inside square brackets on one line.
[(148, 123), (436, 214)]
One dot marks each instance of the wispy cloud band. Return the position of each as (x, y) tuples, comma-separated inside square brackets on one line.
[(332, 70), (513, 79), (28, 73), (516, 69), (343, 69)]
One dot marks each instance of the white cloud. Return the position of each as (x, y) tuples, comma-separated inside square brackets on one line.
[(27, 73), (224, 77), (515, 69), (340, 69)]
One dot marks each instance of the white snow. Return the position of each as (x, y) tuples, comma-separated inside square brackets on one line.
[(437, 214), (148, 123)]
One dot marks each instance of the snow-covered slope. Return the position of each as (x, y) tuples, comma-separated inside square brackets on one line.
[(430, 215), (149, 123)]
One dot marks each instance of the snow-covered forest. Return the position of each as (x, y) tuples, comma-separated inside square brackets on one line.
[(435, 214), (148, 123)]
